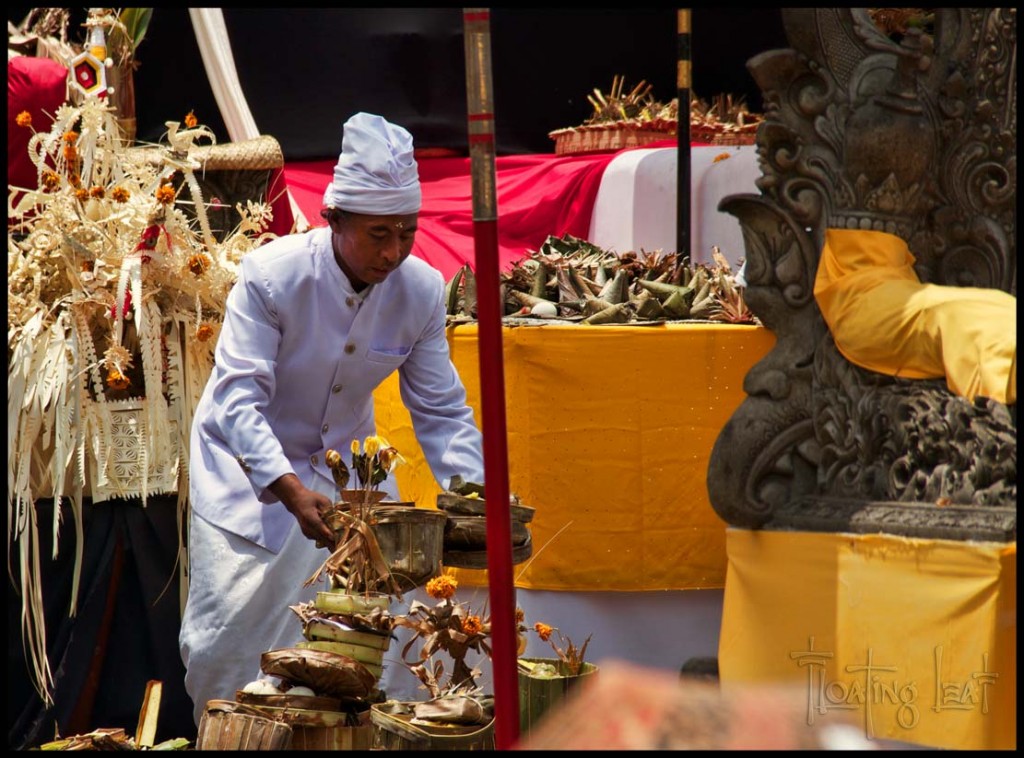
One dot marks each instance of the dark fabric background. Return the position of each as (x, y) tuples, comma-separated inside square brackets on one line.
[(125, 632), (305, 71)]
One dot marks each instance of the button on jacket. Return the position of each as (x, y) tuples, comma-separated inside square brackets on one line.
[(295, 370)]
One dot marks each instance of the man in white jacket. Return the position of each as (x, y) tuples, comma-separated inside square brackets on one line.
[(313, 325)]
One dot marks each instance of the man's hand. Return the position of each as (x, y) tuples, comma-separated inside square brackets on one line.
[(306, 506)]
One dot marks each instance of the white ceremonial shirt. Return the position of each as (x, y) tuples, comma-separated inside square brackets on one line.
[(297, 361)]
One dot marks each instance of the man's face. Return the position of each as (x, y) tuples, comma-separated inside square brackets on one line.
[(368, 248)]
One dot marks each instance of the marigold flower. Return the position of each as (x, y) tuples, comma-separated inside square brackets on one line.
[(204, 332), (543, 630), (50, 180), (191, 120), (118, 381), (472, 625), (442, 587), (97, 192), (198, 264), (75, 179), (82, 194), (165, 194), (23, 119), (70, 137), (70, 153), (120, 194)]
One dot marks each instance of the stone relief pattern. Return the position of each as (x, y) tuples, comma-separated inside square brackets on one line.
[(909, 440), (915, 139)]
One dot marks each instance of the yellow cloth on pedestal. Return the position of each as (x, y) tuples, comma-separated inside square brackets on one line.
[(917, 638), (884, 319)]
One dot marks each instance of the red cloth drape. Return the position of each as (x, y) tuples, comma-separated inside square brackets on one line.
[(538, 195)]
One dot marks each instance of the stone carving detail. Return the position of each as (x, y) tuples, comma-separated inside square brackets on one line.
[(909, 440), (916, 139)]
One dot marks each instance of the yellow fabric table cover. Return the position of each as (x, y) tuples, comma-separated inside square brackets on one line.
[(609, 433), (916, 637)]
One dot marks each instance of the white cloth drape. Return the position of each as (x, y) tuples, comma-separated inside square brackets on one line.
[(215, 47)]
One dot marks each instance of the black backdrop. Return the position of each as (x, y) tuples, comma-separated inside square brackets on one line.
[(304, 71)]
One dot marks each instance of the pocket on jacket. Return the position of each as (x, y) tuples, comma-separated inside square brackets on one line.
[(389, 357)]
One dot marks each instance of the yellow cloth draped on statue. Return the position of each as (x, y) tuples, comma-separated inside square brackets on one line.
[(883, 318)]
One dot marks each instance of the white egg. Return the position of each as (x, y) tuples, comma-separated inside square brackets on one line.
[(545, 310), (301, 691), (261, 687)]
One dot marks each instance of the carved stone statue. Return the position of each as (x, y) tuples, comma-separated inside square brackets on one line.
[(917, 139)]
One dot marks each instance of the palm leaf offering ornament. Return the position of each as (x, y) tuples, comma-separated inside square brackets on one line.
[(572, 280), (116, 292), (625, 119)]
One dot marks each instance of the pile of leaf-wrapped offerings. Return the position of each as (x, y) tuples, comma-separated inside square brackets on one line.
[(572, 280)]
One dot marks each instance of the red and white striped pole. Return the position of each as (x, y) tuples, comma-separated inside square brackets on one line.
[(490, 309)]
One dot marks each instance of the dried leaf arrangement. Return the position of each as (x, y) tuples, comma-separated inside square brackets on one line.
[(448, 627), (726, 120), (115, 296), (572, 280), (570, 657), (110, 739), (356, 563)]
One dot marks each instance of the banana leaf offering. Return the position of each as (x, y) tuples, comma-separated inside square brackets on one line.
[(574, 281)]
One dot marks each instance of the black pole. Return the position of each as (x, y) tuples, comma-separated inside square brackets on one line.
[(683, 78)]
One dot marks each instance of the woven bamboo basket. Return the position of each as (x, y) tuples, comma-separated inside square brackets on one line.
[(326, 730), (537, 695), (392, 731), (604, 137), (227, 725)]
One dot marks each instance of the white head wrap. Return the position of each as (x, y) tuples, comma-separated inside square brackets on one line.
[(376, 172)]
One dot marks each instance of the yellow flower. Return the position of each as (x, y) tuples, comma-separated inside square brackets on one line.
[(472, 625), (191, 120), (198, 264), (204, 332), (116, 380), (165, 194), (442, 587), (543, 630), (70, 153), (120, 194), (354, 447), (82, 194), (371, 445), (24, 119), (51, 180)]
